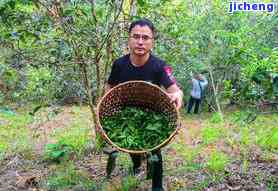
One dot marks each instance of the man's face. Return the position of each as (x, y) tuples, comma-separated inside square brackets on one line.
[(140, 40), (198, 77)]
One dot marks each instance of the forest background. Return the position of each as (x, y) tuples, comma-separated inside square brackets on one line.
[(59, 52)]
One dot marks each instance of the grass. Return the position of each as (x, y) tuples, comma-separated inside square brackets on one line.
[(266, 130), (245, 136), (268, 138), (14, 134), (200, 185), (66, 176), (210, 134), (126, 183), (217, 161), (263, 132), (202, 157), (124, 161), (187, 153), (77, 135), (57, 152), (215, 118), (272, 184)]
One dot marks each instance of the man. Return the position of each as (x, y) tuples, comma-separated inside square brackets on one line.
[(140, 64), (199, 83)]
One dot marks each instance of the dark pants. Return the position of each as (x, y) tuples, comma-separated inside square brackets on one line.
[(193, 101), (155, 167)]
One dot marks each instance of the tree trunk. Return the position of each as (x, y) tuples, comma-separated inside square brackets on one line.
[(215, 93)]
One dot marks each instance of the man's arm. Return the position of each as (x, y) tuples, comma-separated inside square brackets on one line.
[(204, 81), (107, 87), (175, 94)]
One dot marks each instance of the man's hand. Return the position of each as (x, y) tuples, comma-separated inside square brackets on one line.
[(176, 98), (175, 94)]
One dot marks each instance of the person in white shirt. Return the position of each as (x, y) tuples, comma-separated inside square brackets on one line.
[(199, 83)]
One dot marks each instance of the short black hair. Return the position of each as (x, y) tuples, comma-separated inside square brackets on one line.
[(142, 22)]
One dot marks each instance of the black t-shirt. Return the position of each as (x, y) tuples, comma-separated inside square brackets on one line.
[(154, 71)]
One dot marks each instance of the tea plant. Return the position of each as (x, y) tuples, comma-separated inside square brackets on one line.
[(56, 152), (135, 128)]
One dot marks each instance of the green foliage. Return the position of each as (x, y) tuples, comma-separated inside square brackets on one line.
[(135, 128), (9, 79), (262, 131), (76, 138), (236, 48), (14, 136), (237, 117), (187, 153), (272, 184), (245, 164), (217, 161), (201, 185), (62, 37), (56, 152), (40, 85), (268, 138), (244, 136), (181, 159), (128, 183), (209, 39), (215, 118), (67, 176), (227, 92), (8, 76), (99, 142), (210, 134), (125, 184)]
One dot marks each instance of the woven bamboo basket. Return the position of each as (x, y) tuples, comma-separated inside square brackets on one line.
[(138, 94)]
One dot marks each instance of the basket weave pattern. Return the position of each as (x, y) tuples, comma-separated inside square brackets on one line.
[(139, 94)]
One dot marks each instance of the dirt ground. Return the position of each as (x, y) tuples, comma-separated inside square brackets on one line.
[(21, 173), (18, 173)]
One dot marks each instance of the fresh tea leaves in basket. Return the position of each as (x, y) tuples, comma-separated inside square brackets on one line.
[(136, 128)]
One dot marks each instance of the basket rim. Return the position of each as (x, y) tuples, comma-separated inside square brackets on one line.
[(165, 142)]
